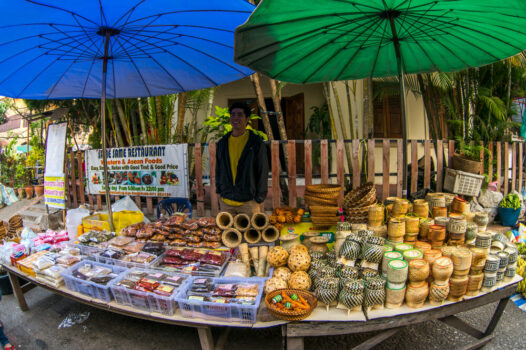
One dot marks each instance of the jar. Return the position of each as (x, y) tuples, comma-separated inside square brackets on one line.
[(442, 270), (412, 254), (481, 218), (458, 205), (421, 208), (438, 293), (376, 215), (416, 294), (319, 244), (422, 246), (457, 288), (474, 284), (418, 270), (424, 228), (379, 231), (492, 264), (397, 271), (394, 298), (461, 258), (436, 200), (388, 256), (437, 233), (352, 294), (307, 236), (489, 281), (483, 240), (457, 224), (400, 207), (396, 230), (439, 212), (442, 221), (412, 224), (431, 255)]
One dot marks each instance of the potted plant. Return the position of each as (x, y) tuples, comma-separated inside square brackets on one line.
[(28, 182), (468, 158), (20, 173), (35, 157), (510, 209)]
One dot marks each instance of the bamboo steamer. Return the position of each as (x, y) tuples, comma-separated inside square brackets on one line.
[(439, 211), (424, 228), (437, 233), (379, 231), (458, 287), (458, 205), (436, 200), (418, 270), (400, 207), (410, 237), (412, 224), (442, 270), (442, 221), (416, 294), (376, 215), (438, 293), (397, 271), (396, 229), (388, 256), (448, 251), (421, 208), (437, 244), (394, 297), (431, 255), (461, 259), (423, 246), (474, 284)]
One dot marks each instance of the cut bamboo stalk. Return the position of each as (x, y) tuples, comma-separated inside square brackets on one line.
[(270, 234), (224, 220), (231, 238), (259, 221), (252, 236), (241, 222)]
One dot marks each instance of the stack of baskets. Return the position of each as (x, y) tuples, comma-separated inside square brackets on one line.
[(322, 201), (3, 231), (356, 203), (15, 226)]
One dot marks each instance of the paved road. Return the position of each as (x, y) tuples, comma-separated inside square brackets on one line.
[(37, 329)]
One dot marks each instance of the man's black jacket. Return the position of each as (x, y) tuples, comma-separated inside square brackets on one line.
[(252, 171)]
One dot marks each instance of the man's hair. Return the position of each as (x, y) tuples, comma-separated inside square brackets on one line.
[(240, 105)]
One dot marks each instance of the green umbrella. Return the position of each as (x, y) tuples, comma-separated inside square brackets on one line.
[(312, 41)]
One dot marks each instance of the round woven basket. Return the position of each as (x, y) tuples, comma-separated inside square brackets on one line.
[(291, 315), (323, 189), (324, 220), (315, 200), (323, 210), (361, 196)]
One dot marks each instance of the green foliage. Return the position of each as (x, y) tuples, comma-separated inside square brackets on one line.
[(320, 122), (37, 153), (511, 201), (219, 125)]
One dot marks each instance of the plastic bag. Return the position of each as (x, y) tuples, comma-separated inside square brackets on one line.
[(7, 195), (126, 204), (73, 220), (74, 318), (28, 233)]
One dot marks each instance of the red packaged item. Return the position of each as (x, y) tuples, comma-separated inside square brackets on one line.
[(177, 252), (190, 225), (213, 258), (198, 233), (191, 254), (212, 238), (193, 238), (179, 242), (148, 284), (174, 260), (211, 245), (206, 222), (164, 290), (195, 244)]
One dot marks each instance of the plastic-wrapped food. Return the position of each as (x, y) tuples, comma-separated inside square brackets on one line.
[(175, 281), (120, 241), (195, 244), (43, 263), (112, 254), (193, 238), (190, 225), (68, 260), (102, 279), (237, 269), (157, 237), (140, 258), (247, 290), (211, 245), (126, 283), (192, 254), (177, 252), (202, 285), (54, 272), (174, 260), (244, 300), (153, 248), (179, 242), (147, 232), (213, 258), (70, 251), (206, 222), (226, 290), (133, 247), (164, 290), (137, 274), (150, 285), (157, 276), (212, 238)]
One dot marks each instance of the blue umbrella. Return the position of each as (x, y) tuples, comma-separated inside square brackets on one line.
[(57, 49)]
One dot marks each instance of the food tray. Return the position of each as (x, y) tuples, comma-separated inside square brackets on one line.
[(151, 302), (89, 288), (221, 312), (156, 264), (461, 182), (122, 263)]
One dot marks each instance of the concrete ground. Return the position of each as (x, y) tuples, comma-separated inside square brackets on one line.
[(37, 329)]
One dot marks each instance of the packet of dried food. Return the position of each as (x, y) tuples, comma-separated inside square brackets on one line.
[(175, 281), (133, 247), (43, 263), (157, 276), (150, 285), (213, 258), (227, 290), (164, 290), (247, 290), (126, 283), (120, 241)]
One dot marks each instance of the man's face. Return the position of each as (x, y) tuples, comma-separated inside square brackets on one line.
[(238, 119)]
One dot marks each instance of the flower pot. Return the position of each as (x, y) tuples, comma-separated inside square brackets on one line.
[(465, 164), (509, 216), (29, 191), (39, 190), (21, 192)]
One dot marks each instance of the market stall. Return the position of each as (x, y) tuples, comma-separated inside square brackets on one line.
[(314, 271)]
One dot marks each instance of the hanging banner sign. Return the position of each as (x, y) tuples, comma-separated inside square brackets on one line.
[(156, 171), (55, 148), (55, 191)]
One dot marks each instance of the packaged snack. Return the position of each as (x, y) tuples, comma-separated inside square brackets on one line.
[(139, 258), (133, 247), (192, 254), (164, 290), (157, 276), (193, 238), (43, 263), (126, 283), (112, 254), (190, 225), (179, 242), (211, 245), (212, 238), (147, 284), (103, 279), (247, 290), (237, 269), (195, 244), (68, 260), (53, 272), (137, 274), (153, 248), (175, 281), (227, 290), (120, 241), (213, 258)]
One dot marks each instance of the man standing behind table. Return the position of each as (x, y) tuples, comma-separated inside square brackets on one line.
[(241, 166)]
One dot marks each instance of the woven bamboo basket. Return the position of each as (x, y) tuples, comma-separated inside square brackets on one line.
[(360, 197), (291, 315), (324, 220), (323, 189), (323, 210), (313, 200), (358, 215), (376, 215)]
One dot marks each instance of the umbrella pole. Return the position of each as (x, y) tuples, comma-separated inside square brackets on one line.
[(103, 116), (401, 80)]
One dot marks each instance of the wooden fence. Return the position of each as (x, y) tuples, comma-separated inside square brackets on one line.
[(329, 166)]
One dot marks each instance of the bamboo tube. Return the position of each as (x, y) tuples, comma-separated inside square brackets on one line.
[(224, 220), (259, 221), (270, 234), (241, 222), (263, 251), (254, 256), (252, 236), (245, 258), (231, 237)]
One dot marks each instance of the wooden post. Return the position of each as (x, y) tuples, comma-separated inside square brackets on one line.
[(149, 205), (386, 175), (81, 178), (414, 166), (340, 169), (499, 163), (490, 161), (213, 194), (261, 103), (308, 162), (370, 160), (427, 164), (292, 173), (513, 166), (324, 162), (275, 174), (521, 165), (73, 179), (67, 181), (199, 181), (482, 157), (440, 165), (355, 164), (399, 167), (506, 167), (450, 154), (99, 202)]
